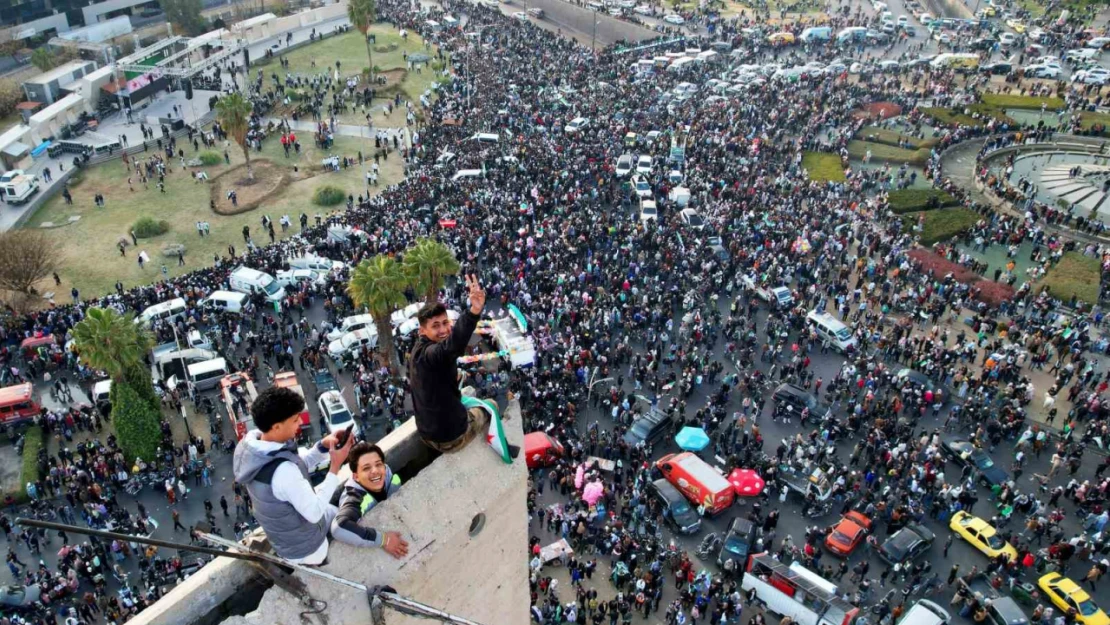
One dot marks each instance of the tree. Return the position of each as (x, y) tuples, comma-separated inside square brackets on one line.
[(44, 59), (185, 16), (363, 14), (234, 114), (26, 257), (427, 264), (379, 284), (114, 343), (11, 94)]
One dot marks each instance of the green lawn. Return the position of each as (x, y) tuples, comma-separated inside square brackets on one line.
[(914, 200), (951, 116), (941, 224), (893, 137), (1010, 101), (1076, 276), (350, 50), (887, 153), (1077, 7), (823, 167), (92, 262), (1088, 119)]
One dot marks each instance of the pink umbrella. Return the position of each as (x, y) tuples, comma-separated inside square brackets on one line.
[(746, 482), (580, 476), (593, 492)]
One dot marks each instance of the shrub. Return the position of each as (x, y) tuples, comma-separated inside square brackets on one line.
[(328, 195), (1075, 276), (892, 137), (887, 153), (1010, 101), (912, 200), (148, 227), (137, 421), (949, 117), (33, 441), (938, 266), (211, 159), (992, 293), (823, 167), (11, 94)]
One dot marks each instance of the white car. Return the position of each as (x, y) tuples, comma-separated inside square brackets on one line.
[(626, 4), (1093, 76), (674, 18), (648, 211), (300, 276), (624, 165), (643, 165), (1097, 42), (350, 324), (642, 187), (1007, 39), (335, 411), (642, 9), (903, 21), (836, 67), (8, 176), (352, 343), (576, 125), (692, 219), (521, 15), (1043, 71)]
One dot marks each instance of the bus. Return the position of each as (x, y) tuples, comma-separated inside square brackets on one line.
[(796, 592)]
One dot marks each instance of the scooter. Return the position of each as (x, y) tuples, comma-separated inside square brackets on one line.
[(709, 545)]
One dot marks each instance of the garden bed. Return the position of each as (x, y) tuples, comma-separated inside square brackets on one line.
[(1010, 101), (887, 153), (1075, 276), (823, 167), (269, 180), (873, 134), (916, 200), (941, 224)]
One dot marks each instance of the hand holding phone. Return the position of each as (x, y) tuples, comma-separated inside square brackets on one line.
[(342, 436)]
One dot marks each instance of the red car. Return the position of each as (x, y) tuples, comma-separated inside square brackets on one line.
[(848, 534)]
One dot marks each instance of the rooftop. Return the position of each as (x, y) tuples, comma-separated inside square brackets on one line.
[(58, 72)]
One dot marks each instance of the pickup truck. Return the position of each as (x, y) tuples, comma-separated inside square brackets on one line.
[(1003, 610), (323, 381)]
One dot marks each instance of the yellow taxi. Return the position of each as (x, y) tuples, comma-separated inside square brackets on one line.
[(981, 535), (781, 39), (989, 11), (1068, 595), (1016, 25)]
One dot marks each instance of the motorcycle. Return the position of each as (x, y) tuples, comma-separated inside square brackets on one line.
[(709, 545)]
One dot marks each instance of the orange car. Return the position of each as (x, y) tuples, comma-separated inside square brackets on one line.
[(848, 534)]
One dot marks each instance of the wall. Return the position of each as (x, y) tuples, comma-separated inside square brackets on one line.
[(56, 22), (94, 12)]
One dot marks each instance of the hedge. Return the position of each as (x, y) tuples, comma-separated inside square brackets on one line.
[(941, 224), (913, 200), (210, 159), (951, 116), (137, 422), (892, 138), (328, 195), (147, 227), (887, 153), (1009, 101), (823, 167), (1075, 276)]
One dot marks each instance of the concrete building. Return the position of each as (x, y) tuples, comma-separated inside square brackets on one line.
[(103, 31), (48, 87), (464, 516)]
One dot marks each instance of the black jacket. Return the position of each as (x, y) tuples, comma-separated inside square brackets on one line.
[(433, 373)]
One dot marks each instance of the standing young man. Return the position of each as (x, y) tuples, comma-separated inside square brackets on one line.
[(294, 516)]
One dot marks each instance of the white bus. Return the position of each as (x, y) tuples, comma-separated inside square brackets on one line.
[(796, 592)]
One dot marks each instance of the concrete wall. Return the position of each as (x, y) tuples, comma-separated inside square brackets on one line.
[(30, 29), (95, 12), (569, 16)]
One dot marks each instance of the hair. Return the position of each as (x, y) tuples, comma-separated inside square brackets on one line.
[(431, 311), (361, 449), (274, 405)]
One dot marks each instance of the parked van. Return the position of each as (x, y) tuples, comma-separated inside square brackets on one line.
[(960, 60), (225, 301), (486, 137), (247, 280), (698, 481), (101, 393), (708, 56), (17, 404), (816, 33), (466, 173), (831, 329), (680, 64), (540, 450), (851, 34), (170, 310), (350, 324), (207, 374), (315, 263)]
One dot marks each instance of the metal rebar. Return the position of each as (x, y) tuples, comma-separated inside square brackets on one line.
[(50, 525)]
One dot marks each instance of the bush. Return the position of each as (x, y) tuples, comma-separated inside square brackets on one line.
[(11, 94), (941, 224), (887, 153), (211, 159), (137, 421), (147, 227), (992, 293), (1075, 276), (823, 167), (892, 137), (1008, 101), (913, 200), (950, 117), (328, 195), (938, 266)]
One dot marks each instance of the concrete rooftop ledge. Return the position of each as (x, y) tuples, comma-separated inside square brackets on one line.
[(483, 577)]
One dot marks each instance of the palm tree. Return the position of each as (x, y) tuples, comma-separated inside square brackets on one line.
[(111, 342), (363, 13), (427, 264), (379, 284), (234, 114), (44, 59)]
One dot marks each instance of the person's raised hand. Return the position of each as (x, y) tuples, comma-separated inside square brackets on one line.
[(338, 454), (394, 545), (476, 294)]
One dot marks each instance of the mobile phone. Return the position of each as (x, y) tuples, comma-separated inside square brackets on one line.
[(343, 435)]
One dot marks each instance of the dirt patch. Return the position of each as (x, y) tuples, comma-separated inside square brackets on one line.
[(884, 110), (393, 79), (269, 180)]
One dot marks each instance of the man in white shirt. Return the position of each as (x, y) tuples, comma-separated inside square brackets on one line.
[(294, 516)]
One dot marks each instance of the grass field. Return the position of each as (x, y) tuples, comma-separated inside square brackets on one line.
[(1076, 276), (823, 167), (941, 224), (887, 153), (92, 262), (1077, 7), (915, 200), (893, 137), (1087, 119), (349, 50), (1010, 101)]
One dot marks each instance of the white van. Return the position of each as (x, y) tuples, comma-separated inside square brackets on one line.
[(225, 301), (831, 329), (247, 280), (350, 324), (170, 310), (207, 374), (925, 612), (101, 393), (486, 137), (315, 263), (466, 173), (851, 34)]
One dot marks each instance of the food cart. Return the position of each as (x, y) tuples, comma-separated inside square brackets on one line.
[(556, 551)]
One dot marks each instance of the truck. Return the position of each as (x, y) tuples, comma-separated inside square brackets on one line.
[(288, 379), (703, 485), (18, 187), (323, 381), (238, 393), (1001, 607), (169, 360), (806, 481), (677, 155)]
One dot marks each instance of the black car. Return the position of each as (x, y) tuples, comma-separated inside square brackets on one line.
[(676, 509), (998, 68), (964, 453), (648, 428), (907, 544), (738, 544), (799, 399), (983, 43)]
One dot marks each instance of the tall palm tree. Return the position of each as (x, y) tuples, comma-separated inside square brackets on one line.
[(111, 342), (234, 114), (379, 284), (44, 59), (427, 264), (363, 13)]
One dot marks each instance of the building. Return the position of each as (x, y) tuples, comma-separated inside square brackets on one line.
[(52, 85)]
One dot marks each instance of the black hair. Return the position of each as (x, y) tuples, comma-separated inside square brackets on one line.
[(431, 311), (274, 405), (359, 450)]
